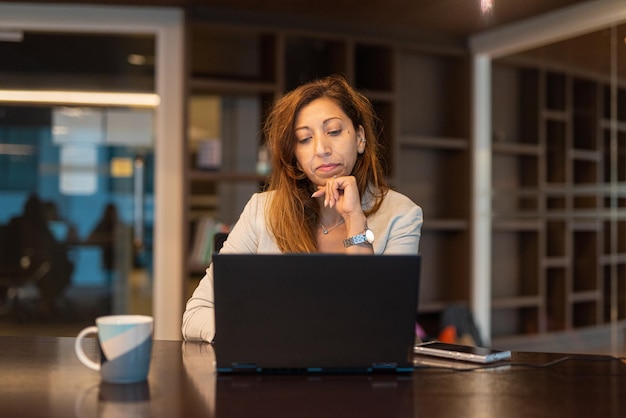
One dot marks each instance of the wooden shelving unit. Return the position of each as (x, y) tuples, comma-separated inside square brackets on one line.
[(432, 169), (557, 191), (421, 97), (558, 155)]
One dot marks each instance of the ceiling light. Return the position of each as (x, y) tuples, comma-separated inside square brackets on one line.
[(11, 36), (486, 6), (137, 59), (80, 98), (140, 59)]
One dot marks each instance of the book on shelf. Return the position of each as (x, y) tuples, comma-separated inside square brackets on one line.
[(202, 247)]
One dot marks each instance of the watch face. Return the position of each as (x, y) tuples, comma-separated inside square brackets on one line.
[(369, 235)]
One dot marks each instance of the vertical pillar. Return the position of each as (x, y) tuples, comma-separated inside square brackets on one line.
[(480, 223)]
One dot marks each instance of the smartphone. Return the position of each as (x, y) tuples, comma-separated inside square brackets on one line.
[(461, 352)]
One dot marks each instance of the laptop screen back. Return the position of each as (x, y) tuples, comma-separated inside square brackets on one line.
[(315, 312)]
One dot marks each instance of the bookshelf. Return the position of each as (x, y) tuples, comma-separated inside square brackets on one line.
[(432, 169), (558, 175), (558, 236), (417, 94)]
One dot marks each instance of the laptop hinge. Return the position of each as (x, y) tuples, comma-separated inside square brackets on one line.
[(244, 367), (390, 366)]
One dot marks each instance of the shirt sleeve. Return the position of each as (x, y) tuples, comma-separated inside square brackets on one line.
[(397, 225), (199, 316), (405, 233)]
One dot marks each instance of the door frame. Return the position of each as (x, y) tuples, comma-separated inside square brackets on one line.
[(167, 26)]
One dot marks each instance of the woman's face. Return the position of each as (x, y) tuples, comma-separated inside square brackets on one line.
[(328, 142)]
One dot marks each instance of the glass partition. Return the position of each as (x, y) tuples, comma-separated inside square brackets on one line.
[(558, 176), (77, 134)]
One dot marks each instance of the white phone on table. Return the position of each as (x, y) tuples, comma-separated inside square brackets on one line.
[(461, 352)]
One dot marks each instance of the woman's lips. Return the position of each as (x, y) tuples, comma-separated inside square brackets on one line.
[(326, 168)]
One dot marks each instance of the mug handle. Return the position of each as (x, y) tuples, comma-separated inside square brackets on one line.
[(78, 348)]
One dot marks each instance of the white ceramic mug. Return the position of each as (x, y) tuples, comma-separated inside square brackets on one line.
[(125, 343)]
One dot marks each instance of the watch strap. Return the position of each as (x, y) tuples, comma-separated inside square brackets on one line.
[(355, 240), (365, 237)]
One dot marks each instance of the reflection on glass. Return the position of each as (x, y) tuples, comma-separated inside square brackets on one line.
[(384, 395), (559, 124), (109, 400), (199, 363), (62, 175), (77, 261)]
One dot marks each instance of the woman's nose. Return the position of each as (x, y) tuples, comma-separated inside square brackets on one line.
[(321, 145)]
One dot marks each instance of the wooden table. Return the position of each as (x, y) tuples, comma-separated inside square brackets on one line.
[(41, 377)]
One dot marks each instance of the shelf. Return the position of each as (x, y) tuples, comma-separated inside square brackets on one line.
[(588, 296), (556, 115), (586, 155), (556, 262), (592, 225), (516, 148), (202, 206), (554, 189), (516, 302), (218, 86), (514, 219), (607, 259), (446, 225), (426, 307), (517, 191), (608, 124), (433, 142), (513, 225), (214, 176), (593, 188)]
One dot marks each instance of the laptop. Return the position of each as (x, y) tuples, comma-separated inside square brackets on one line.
[(315, 313)]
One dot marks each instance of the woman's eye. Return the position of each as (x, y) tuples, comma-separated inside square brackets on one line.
[(334, 132), (304, 140)]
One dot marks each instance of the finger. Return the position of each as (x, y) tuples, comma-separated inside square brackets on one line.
[(327, 194), (337, 188), (332, 192), (328, 197)]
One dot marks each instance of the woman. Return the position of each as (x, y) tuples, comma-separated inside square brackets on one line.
[(327, 192)]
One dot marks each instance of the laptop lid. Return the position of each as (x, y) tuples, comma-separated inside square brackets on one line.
[(315, 312)]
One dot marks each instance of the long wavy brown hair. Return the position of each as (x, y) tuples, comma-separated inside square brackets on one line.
[(292, 215)]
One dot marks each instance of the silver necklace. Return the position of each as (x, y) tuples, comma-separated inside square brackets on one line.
[(327, 230)]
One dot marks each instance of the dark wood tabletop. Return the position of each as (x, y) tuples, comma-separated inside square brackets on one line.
[(41, 377)]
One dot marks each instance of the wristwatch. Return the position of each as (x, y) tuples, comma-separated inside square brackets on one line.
[(367, 236)]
